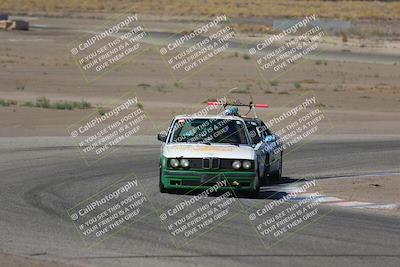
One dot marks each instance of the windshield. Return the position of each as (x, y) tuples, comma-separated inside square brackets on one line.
[(209, 131)]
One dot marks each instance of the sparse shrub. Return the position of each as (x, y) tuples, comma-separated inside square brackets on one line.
[(273, 83), (178, 84), (246, 57), (102, 110), (6, 103), (81, 104), (139, 105), (62, 105), (297, 85), (161, 87), (42, 102), (28, 104)]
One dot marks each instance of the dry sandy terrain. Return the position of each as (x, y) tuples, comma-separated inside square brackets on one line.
[(358, 97), (373, 189), (361, 188)]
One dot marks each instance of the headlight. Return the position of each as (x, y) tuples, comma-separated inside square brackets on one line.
[(246, 164), (174, 163), (236, 164), (184, 163)]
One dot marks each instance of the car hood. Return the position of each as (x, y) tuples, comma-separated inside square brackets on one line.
[(204, 151)]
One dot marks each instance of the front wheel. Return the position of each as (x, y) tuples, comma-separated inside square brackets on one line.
[(162, 188), (161, 185), (256, 192)]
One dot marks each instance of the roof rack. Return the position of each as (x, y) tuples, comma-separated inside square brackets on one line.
[(237, 103)]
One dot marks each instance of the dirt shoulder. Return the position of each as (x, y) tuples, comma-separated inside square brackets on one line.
[(374, 189)]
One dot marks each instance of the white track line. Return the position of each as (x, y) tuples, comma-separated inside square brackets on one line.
[(328, 200)]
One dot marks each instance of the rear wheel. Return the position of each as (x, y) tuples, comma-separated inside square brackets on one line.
[(276, 175), (264, 176)]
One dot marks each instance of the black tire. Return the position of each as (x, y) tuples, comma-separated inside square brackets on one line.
[(264, 177), (162, 188), (161, 185), (276, 176), (256, 192)]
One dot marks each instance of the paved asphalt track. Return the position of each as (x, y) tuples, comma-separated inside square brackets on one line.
[(163, 38), (41, 177)]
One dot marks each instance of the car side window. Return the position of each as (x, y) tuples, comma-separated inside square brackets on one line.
[(264, 130), (255, 136)]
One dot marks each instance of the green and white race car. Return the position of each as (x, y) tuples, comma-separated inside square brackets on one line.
[(197, 152)]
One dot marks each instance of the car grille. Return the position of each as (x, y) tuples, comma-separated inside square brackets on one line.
[(205, 163), (212, 164)]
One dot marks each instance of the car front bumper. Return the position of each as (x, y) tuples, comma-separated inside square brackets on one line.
[(190, 179)]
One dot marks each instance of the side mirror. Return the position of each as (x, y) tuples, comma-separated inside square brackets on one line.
[(162, 137), (270, 138)]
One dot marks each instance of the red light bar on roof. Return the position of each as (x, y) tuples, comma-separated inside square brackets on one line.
[(261, 105), (213, 103)]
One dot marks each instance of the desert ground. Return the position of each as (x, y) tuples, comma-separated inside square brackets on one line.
[(358, 97)]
